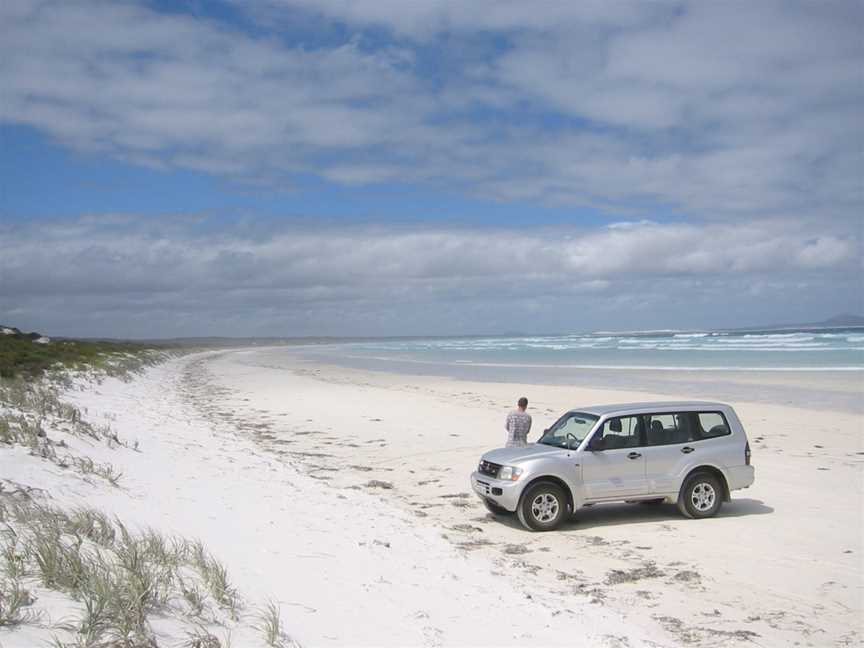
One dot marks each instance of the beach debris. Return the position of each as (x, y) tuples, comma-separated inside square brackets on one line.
[(377, 483), (597, 594), (515, 549), (696, 634), (311, 454), (528, 567), (476, 543), (455, 495), (381, 543), (323, 468), (618, 576), (688, 576), (565, 576), (467, 528)]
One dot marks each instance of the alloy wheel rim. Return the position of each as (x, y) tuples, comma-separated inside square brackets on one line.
[(545, 507), (703, 496)]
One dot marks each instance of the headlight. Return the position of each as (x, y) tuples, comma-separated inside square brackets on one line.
[(509, 473)]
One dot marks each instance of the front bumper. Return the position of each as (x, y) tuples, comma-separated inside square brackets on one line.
[(502, 493)]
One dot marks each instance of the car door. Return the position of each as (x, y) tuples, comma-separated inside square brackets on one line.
[(668, 448), (618, 470)]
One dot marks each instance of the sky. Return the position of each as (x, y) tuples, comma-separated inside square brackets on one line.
[(381, 167)]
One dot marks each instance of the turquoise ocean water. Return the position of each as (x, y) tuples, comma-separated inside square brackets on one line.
[(836, 349)]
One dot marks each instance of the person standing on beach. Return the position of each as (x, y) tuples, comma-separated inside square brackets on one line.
[(518, 425)]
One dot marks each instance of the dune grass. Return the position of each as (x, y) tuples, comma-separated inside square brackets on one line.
[(121, 578), (214, 575), (15, 603), (200, 637), (272, 629), (30, 410)]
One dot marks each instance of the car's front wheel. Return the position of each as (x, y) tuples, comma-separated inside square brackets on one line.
[(701, 496), (543, 507)]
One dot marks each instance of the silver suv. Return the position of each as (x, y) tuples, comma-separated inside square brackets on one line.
[(690, 453)]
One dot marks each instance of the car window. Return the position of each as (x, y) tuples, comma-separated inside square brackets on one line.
[(569, 430), (621, 432), (712, 424), (666, 429)]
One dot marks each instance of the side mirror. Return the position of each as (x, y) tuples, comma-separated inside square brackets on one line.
[(597, 443)]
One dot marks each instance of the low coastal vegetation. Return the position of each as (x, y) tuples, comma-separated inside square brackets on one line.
[(33, 372), (119, 579), (117, 582), (31, 355), (34, 416)]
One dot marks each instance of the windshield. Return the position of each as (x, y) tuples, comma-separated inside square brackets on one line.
[(570, 430)]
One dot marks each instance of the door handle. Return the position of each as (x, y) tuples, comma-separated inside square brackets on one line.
[(634, 455), (687, 449)]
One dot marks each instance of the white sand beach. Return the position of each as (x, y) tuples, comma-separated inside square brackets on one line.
[(342, 495)]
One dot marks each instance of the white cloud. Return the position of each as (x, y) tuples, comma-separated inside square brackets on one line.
[(166, 270), (611, 105), (425, 18)]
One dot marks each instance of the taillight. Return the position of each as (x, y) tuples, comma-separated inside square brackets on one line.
[(747, 454)]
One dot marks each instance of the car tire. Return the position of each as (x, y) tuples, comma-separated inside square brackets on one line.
[(700, 496), (494, 509), (543, 507)]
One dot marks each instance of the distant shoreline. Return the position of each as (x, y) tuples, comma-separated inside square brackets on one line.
[(854, 324), (814, 388)]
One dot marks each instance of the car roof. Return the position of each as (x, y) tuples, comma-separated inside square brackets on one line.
[(648, 407)]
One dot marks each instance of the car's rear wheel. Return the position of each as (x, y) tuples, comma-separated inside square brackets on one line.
[(494, 509), (543, 507), (701, 496)]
